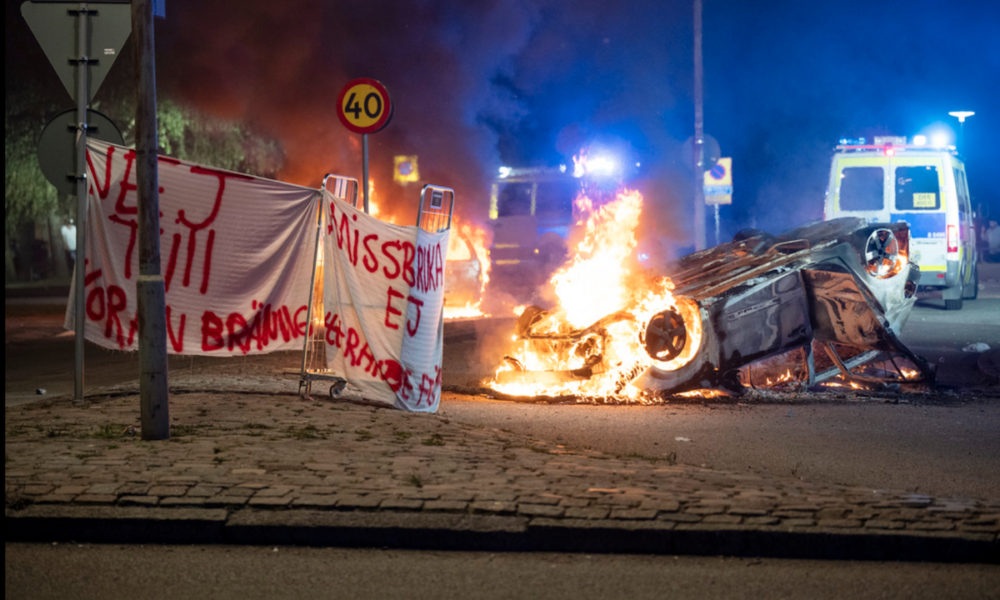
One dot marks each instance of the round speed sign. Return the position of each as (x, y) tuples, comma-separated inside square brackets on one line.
[(363, 106)]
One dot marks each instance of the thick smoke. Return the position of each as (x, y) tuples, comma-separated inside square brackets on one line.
[(281, 66)]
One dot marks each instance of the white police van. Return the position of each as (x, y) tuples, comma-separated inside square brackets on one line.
[(925, 186)]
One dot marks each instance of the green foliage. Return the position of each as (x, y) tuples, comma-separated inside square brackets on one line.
[(183, 133), (27, 194)]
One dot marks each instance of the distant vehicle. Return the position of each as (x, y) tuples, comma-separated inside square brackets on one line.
[(926, 187), (533, 214)]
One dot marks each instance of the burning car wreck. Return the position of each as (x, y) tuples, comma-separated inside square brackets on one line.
[(844, 286)]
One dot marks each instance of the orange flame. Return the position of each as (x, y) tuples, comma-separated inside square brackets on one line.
[(468, 242), (597, 282)]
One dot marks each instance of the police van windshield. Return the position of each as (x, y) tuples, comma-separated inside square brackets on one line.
[(917, 188), (555, 199), (514, 200), (862, 188)]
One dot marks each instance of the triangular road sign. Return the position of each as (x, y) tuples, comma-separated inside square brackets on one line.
[(55, 27)]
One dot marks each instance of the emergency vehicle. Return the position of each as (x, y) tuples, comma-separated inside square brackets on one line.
[(926, 187), (531, 213)]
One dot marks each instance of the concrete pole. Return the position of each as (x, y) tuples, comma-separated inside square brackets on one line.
[(699, 136), (80, 269), (150, 291)]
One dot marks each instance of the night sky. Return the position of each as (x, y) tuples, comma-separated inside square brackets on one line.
[(480, 84)]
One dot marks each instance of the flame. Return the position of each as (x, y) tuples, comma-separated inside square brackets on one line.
[(596, 282), (468, 242)]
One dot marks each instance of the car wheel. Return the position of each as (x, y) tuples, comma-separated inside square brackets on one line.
[(953, 304)]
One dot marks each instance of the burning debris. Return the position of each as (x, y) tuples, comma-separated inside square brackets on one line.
[(467, 272), (725, 319)]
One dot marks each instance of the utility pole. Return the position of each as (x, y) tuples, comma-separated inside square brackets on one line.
[(150, 290), (699, 136)]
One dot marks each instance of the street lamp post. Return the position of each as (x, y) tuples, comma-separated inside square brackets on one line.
[(961, 115)]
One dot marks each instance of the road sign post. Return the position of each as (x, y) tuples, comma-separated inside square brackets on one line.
[(82, 75), (79, 266), (363, 106)]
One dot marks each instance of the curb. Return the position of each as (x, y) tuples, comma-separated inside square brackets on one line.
[(474, 532)]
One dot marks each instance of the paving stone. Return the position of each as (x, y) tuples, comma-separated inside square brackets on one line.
[(574, 502), (54, 498), (37, 489), (747, 511), (633, 513), (313, 501), (884, 524), (760, 521), (204, 491), (931, 525), (138, 500), (679, 517), (722, 519), (95, 499), (359, 502), (705, 510), (660, 505), (540, 499), (270, 501), (225, 501), (446, 505), (493, 507), (540, 510), (587, 512), (401, 504), (182, 501), (70, 490), (980, 528), (168, 490), (798, 522), (838, 523), (275, 491)]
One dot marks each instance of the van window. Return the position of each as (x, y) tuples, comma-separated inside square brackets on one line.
[(555, 199), (917, 188), (862, 188), (514, 200), (963, 195)]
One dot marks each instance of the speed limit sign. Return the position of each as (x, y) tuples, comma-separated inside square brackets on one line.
[(364, 106)]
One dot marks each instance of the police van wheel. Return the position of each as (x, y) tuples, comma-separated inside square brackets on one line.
[(953, 304)]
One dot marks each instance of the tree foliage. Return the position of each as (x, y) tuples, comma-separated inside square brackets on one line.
[(184, 133)]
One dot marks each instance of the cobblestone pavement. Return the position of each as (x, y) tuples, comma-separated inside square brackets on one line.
[(276, 452)]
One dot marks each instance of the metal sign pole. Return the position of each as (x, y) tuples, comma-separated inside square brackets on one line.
[(364, 168), (699, 136), (81, 194)]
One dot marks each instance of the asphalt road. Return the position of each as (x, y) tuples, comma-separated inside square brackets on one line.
[(243, 573)]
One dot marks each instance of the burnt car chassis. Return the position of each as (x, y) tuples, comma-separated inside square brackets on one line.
[(845, 284)]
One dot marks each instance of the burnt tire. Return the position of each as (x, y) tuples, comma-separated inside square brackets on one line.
[(666, 336)]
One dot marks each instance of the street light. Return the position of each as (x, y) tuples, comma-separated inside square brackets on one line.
[(961, 115)]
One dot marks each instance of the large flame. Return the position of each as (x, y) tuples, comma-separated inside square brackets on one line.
[(468, 242), (596, 282)]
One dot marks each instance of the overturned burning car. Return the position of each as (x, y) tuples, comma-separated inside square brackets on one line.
[(845, 286)]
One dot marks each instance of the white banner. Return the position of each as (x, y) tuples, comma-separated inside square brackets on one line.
[(383, 294), (236, 255)]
